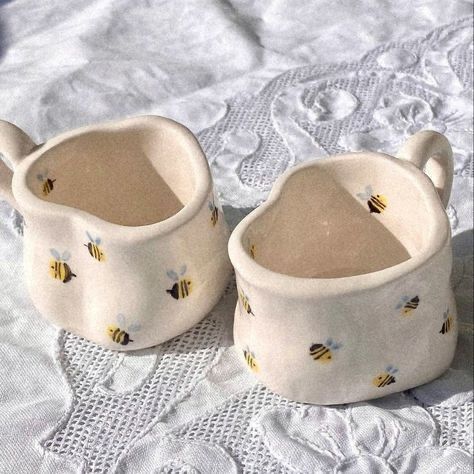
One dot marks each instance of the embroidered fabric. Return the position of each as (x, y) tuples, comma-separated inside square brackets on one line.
[(190, 405), (376, 103)]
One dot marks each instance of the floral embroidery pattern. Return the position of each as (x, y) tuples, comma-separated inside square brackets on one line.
[(361, 438), (316, 110)]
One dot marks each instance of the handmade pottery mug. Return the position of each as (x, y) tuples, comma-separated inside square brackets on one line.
[(124, 241), (343, 276)]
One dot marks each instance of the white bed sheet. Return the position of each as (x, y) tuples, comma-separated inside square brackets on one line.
[(264, 85)]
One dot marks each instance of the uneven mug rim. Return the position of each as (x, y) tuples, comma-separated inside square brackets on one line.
[(34, 205), (257, 275)]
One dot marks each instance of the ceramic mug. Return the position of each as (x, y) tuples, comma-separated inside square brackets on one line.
[(343, 276), (124, 240)]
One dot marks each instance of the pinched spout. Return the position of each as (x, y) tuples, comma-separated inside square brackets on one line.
[(15, 144)]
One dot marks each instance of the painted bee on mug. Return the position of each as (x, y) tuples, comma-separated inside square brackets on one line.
[(120, 335), (250, 360), (377, 202), (244, 301), (385, 378), (48, 183), (94, 249), (58, 268), (183, 285), (408, 305), (214, 212), (252, 250), (447, 323), (323, 353)]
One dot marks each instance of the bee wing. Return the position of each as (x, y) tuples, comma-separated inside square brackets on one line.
[(394, 370), (89, 236), (399, 305), (183, 269), (66, 255), (329, 342), (134, 327), (173, 275), (55, 254), (98, 241), (389, 368), (362, 196), (121, 319), (39, 176), (337, 346), (369, 191)]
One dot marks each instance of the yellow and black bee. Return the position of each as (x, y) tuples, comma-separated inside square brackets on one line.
[(94, 249), (250, 360), (377, 202), (58, 268), (183, 286), (48, 183), (447, 323), (252, 250), (244, 301), (214, 212), (408, 305), (120, 335), (385, 378), (323, 353)]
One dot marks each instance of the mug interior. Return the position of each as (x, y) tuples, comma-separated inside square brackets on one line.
[(325, 224), (131, 176)]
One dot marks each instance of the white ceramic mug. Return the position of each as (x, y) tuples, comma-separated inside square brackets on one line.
[(344, 276), (124, 241)]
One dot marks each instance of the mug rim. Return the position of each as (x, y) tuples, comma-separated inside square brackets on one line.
[(30, 202), (259, 276)]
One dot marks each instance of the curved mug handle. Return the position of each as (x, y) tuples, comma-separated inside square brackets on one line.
[(14, 145), (431, 152)]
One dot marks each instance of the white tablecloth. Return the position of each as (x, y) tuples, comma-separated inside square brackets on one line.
[(264, 85)]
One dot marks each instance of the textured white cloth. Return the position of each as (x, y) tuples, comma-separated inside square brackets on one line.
[(264, 85)]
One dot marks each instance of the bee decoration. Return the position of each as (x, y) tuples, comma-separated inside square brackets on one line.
[(385, 378), (121, 333), (324, 353), (94, 249), (214, 212), (408, 305), (447, 322), (252, 250), (48, 183), (182, 286), (244, 302), (250, 360), (58, 268), (376, 202)]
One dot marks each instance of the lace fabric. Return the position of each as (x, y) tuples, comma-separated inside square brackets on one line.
[(376, 103), (104, 418)]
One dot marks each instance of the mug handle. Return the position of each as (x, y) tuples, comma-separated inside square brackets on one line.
[(431, 152), (14, 145)]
